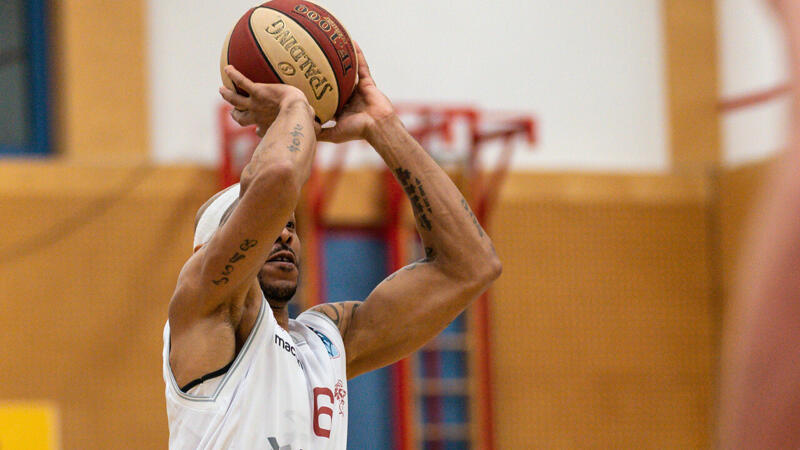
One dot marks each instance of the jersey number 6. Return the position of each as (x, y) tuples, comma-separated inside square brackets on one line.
[(322, 411)]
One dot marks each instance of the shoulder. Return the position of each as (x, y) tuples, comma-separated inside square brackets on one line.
[(340, 314)]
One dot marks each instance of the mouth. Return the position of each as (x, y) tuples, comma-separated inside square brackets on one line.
[(283, 257)]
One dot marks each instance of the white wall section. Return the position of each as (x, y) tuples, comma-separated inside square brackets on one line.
[(752, 59), (592, 72)]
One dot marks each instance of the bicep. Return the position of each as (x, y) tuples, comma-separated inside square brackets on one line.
[(402, 313)]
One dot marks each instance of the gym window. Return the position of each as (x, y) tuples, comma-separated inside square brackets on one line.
[(24, 102)]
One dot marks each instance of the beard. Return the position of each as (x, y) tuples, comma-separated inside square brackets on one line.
[(281, 291)]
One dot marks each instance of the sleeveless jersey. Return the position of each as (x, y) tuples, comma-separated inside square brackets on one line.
[(285, 390)]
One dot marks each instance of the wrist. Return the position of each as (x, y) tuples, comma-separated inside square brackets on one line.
[(296, 101), (378, 128)]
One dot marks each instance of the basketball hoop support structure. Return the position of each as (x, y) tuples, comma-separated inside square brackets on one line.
[(482, 188), (452, 126)]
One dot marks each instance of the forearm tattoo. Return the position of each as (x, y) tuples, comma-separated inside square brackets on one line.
[(472, 215), (245, 246), (416, 194), (294, 145)]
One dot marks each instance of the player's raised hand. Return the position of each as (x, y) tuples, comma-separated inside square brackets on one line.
[(262, 103), (367, 107)]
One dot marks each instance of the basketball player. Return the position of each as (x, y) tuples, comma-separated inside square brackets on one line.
[(239, 372), (760, 394)]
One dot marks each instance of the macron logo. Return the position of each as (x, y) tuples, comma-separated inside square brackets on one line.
[(288, 347)]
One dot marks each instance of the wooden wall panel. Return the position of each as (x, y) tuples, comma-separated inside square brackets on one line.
[(603, 322), (101, 77), (690, 35), (89, 257), (604, 326)]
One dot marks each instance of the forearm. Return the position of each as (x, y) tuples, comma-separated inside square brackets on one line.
[(290, 141), (449, 229)]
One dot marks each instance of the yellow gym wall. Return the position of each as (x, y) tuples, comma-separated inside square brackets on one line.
[(604, 329), (89, 257), (100, 84)]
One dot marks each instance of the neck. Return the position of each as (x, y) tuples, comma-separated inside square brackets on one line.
[(281, 312), (280, 309)]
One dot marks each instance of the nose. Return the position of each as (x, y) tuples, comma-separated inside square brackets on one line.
[(286, 236)]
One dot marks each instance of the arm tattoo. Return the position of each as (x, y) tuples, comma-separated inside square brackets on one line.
[(294, 145), (416, 194), (332, 312), (340, 313), (246, 245), (472, 215), (409, 267), (352, 315)]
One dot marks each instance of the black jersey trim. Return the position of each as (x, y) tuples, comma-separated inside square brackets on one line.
[(207, 377), (236, 361)]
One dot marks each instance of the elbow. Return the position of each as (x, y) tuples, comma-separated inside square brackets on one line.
[(482, 272), (495, 268), (492, 269)]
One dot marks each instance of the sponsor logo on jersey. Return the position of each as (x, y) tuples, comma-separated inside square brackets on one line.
[(333, 352), (288, 347)]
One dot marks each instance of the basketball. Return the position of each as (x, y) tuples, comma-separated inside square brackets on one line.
[(298, 43)]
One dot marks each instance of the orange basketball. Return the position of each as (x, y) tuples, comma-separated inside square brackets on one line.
[(298, 43)]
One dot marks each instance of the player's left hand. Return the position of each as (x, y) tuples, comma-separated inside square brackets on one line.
[(365, 109)]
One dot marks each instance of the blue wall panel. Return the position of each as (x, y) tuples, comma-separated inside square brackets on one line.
[(354, 265)]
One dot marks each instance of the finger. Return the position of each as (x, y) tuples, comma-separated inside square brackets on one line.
[(243, 118), (237, 101), (363, 67), (241, 81), (332, 134)]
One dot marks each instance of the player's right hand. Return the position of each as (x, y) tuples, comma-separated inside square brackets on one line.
[(263, 101)]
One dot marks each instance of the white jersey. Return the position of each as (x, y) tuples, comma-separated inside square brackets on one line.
[(284, 390)]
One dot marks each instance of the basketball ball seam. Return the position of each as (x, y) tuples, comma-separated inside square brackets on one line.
[(228, 61), (258, 46), (335, 78)]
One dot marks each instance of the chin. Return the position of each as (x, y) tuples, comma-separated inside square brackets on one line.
[(278, 290)]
